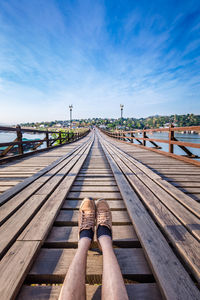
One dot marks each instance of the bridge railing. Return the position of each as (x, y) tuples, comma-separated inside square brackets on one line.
[(20, 146), (170, 139)]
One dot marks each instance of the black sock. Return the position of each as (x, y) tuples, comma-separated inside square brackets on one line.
[(103, 230), (89, 233)]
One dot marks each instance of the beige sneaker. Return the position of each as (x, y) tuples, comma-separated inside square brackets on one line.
[(87, 214), (104, 216)]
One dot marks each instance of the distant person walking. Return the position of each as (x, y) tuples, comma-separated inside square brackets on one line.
[(113, 287)]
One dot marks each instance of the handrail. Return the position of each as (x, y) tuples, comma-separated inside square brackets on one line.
[(7, 128), (171, 141), (62, 138), (166, 129)]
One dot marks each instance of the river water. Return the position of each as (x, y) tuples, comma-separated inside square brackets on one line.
[(6, 137), (182, 137)]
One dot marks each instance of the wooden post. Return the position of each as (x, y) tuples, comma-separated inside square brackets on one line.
[(19, 139), (60, 137), (47, 139), (171, 138), (132, 140), (124, 134), (144, 136)]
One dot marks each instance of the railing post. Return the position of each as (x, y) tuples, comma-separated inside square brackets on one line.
[(19, 139), (171, 138), (60, 137), (124, 134), (144, 136), (47, 139), (132, 141)]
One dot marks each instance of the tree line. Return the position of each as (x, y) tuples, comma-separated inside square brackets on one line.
[(156, 121)]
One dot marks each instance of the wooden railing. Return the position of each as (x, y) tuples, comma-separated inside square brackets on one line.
[(59, 137), (131, 136)]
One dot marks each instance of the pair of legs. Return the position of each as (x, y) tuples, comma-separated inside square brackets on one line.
[(113, 287)]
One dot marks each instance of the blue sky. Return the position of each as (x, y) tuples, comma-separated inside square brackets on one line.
[(96, 55)]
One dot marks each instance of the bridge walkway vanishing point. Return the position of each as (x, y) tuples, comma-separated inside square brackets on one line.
[(155, 226)]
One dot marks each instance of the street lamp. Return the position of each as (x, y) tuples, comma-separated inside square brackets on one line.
[(121, 107), (70, 108)]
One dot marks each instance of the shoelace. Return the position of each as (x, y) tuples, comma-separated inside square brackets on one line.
[(87, 219), (103, 218)]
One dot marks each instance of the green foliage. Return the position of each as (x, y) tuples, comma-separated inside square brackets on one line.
[(125, 123), (65, 135)]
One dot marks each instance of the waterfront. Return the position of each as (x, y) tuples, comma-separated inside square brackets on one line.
[(6, 137), (182, 137)]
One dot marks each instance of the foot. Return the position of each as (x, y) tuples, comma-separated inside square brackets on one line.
[(104, 220), (86, 220)]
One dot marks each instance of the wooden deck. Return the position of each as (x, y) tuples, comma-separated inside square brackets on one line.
[(18, 170), (156, 229), (183, 175)]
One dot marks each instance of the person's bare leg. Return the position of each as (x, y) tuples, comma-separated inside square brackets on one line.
[(113, 287), (74, 284)]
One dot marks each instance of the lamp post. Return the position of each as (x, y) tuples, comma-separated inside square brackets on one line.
[(70, 108), (121, 107)]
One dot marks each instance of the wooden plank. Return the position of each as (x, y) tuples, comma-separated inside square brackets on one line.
[(51, 265), (185, 184), (163, 189), (100, 176), (50, 181), (95, 172), (173, 280), (84, 188), (94, 183), (13, 226), (94, 195), (11, 192), (95, 179), (185, 216), (183, 241), (96, 165), (182, 178), (17, 201), (15, 266), (4, 188), (67, 236), (142, 291), (39, 227), (8, 183), (179, 172), (70, 217), (191, 190), (75, 204)]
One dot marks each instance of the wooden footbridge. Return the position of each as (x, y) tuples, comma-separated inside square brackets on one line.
[(155, 209)]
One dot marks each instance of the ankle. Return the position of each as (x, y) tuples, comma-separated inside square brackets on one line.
[(84, 244), (105, 242)]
